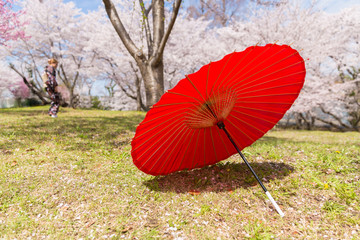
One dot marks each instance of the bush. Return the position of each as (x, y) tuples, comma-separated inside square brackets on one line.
[(96, 103), (31, 102)]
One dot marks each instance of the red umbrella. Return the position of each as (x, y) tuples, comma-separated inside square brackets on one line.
[(216, 112)]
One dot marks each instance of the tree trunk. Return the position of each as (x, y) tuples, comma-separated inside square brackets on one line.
[(308, 120), (153, 81), (151, 64), (70, 84), (139, 103)]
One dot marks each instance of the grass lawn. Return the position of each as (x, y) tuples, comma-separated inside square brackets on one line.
[(73, 178)]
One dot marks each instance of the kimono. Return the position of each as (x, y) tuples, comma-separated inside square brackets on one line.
[(51, 85)]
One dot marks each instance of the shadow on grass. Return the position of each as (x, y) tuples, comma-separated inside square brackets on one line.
[(218, 178)]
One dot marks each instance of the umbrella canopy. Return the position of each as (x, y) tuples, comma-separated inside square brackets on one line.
[(219, 110), (248, 92)]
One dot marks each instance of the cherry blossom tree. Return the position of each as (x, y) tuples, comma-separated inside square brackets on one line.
[(150, 63), (58, 31), (7, 76), (222, 12), (10, 30), (10, 24), (90, 50), (115, 66), (321, 38), (20, 91), (124, 78), (219, 12)]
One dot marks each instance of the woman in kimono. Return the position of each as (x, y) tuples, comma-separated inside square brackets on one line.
[(51, 87)]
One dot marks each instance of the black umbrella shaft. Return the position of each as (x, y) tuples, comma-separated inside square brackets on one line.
[(221, 125)]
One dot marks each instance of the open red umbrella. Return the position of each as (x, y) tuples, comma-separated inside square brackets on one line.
[(219, 110)]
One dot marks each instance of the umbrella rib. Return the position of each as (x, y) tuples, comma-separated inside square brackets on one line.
[(198, 117), (187, 77), (265, 102), (244, 67), (231, 97), (250, 125), (171, 104), (205, 146), (263, 69), (265, 110), (247, 83), (196, 147), (213, 143), (205, 114), (207, 81), (212, 88), (158, 125), (279, 70), (222, 140), (228, 98), (182, 160), (173, 139), (180, 149), (255, 117), (278, 86), (222, 99), (184, 95), (157, 133), (261, 83), (252, 140), (222, 103), (153, 143), (268, 58), (216, 100), (233, 67), (164, 115), (270, 95), (157, 149)]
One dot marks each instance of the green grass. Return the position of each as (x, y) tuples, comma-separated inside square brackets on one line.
[(73, 178)]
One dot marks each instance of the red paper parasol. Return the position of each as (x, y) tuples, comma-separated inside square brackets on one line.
[(219, 110)]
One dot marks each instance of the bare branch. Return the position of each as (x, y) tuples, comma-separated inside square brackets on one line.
[(148, 10), (335, 117), (147, 26), (159, 52), (121, 31), (29, 85)]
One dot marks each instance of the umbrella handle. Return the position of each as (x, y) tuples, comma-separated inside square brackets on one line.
[(221, 125), (275, 204)]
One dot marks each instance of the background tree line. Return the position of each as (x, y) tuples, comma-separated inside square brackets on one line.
[(135, 50)]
